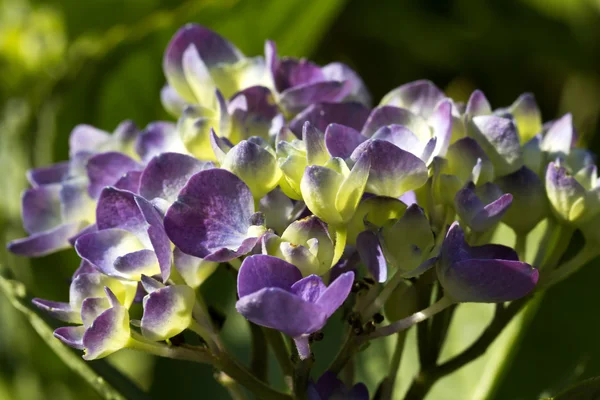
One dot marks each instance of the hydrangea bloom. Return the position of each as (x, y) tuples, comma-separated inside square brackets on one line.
[(282, 169)]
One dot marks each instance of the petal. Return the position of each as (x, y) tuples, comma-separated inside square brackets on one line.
[(46, 175), (71, 336), (371, 254), (441, 124), (316, 154), (92, 284), (44, 243), (319, 188), (302, 231), (172, 101), (166, 174), (108, 333), (563, 190), (454, 247), (560, 137), (357, 90), (136, 263), (119, 209), (530, 203), (278, 309), (488, 281), (157, 138), (130, 181), (40, 208), (478, 104), (158, 237), (478, 215), (297, 98), (58, 310), (261, 271), (252, 111), (493, 251), (211, 216), (254, 165), (393, 170), (106, 168), (464, 155), (336, 293), (278, 210), (403, 138), (527, 116), (388, 115), (350, 114), (291, 72), (91, 308), (420, 97), (87, 139), (309, 288), (341, 140), (105, 247), (211, 48), (499, 139), (167, 312), (193, 270)]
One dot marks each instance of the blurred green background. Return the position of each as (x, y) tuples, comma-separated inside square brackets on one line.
[(64, 62)]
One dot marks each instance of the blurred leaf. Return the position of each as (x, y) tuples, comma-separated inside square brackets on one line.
[(105, 383), (586, 390)]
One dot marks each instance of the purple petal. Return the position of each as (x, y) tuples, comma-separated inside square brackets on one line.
[(71, 336), (132, 265), (252, 111), (108, 333), (478, 104), (393, 170), (43, 243), (488, 281), (562, 190), (388, 115), (499, 139), (157, 138), (309, 288), (357, 90), (559, 138), (403, 138), (211, 216), (167, 312), (130, 181), (212, 49), (172, 101), (87, 139), (91, 308), (40, 208), (290, 72), (441, 124), (75, 202), (371, 254), (350, 114), (47, 175), (106, 168), (420, 97), (337, 292), (58, 310), (493, 251), (158, 237), (298, 98), (166, 174), (262, 271), (278, 309), (119, 209), (341, 140), (478, 215)]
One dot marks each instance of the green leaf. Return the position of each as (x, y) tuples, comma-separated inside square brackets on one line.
[(110, 386), (586, 390)]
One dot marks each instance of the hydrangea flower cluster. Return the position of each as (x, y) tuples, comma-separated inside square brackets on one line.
[(318, 201)]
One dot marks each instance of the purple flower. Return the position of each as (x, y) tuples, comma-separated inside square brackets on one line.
[(481, 208), (329, 387), (483, 274), (130, 240), (214, 217), (105, 328), (300, 83), (273, 293)]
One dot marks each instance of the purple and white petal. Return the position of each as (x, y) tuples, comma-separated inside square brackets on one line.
[(261, 271), (297, 98), (106, 169), (58, 310), (167, 312), (71, 336), (371, 254), (420, 97), (351, 114), (47, 242), (341, 140), (55, 173)]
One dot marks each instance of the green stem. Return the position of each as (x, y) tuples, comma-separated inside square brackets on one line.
[(345, 352), (138, 342), (281, 351), (387, 390), (259, 360), (425, 380), (235, 390), (407, 322), (521, 245), (373, 303), (301, 378)]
